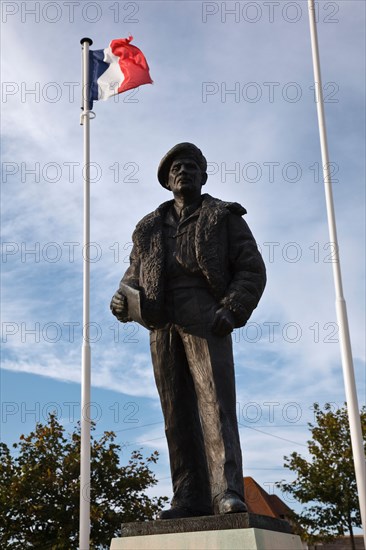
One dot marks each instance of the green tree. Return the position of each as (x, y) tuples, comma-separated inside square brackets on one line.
[(326, 481), (39, 490)]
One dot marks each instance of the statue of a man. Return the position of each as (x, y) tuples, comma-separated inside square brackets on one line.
[(200, 275)]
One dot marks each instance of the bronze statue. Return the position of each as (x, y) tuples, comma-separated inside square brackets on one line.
[(196, 274)]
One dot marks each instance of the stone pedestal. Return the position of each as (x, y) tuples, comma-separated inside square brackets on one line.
[(226, 532)]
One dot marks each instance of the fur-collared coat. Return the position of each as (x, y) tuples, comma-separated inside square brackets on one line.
[(226, 253)]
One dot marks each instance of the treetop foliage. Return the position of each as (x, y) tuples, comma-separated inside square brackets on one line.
[(39, 490), (326, 480)]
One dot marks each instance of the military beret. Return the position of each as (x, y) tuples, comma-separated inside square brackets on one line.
[(185, 149)]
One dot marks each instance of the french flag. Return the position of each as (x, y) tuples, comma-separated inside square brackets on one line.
[(116, 69)]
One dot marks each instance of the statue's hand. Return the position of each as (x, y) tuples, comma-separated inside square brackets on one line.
[(119, 306), (223, 323)]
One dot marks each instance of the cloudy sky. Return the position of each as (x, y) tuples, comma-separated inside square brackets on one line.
[(235, 78)]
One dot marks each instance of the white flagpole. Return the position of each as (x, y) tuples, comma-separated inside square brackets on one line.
[(345, 342), (84, 525)]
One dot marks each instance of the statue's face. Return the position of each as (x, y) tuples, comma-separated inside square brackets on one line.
[(185, 177)]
